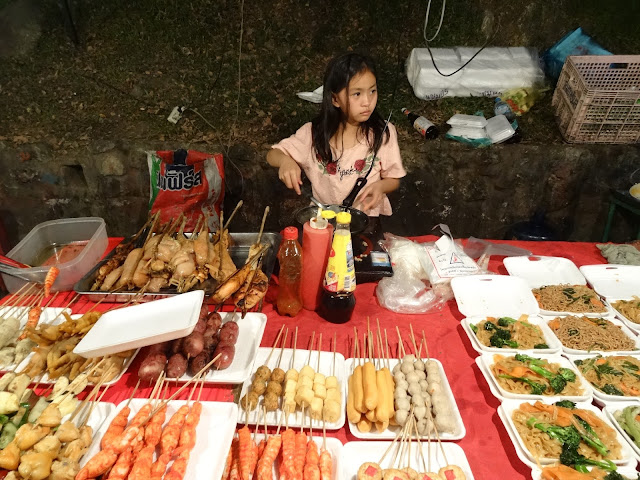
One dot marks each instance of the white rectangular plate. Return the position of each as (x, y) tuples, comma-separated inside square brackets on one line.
[(509, 406), (615, 321), (141, 325), (552, 341), (628, 472), (208, 457), (334, 447), (538, 271), (296, 419), (251, 329), (609, 410), (354, 454), (391, 432), (599, 396), (493, 295), (486, 360), (613, 281), (22, 314)]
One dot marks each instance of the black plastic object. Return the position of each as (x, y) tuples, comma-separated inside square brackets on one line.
[(535, 229)]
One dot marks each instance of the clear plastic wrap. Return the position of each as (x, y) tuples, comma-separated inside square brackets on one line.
[(409, 290)]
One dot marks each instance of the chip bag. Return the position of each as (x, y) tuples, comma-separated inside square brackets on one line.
[(186, 182)]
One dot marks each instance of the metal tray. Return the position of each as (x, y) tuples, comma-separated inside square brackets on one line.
[(239, 252)]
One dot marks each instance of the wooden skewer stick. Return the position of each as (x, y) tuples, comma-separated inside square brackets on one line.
[(319, 348), (275, 342), (264, 219), (10, 299), (386, 342), (284, 342), (333, 366), (313, 336), (133, 393), (401, 351), (398, 435), (438, 437), (413, 339), (226, 225), (426, 347)]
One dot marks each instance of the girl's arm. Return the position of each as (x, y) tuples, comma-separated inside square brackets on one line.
[(372, 194), (288, 169)]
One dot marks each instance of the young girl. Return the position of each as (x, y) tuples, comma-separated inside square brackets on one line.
[(347, 140)]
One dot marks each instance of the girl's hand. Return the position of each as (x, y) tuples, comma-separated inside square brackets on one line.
[(290, 174), (371, 196)]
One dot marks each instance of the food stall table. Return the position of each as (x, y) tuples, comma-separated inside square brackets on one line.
[(486, 443)]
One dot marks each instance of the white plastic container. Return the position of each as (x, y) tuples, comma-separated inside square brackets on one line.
[(499, 129), (90, 232), (539, 271), (141, 325)]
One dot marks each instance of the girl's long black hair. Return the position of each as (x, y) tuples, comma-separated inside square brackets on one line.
[(337, 76)]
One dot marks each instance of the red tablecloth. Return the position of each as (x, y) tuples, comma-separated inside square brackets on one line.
[(486, 443)]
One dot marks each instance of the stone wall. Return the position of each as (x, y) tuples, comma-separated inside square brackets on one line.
[(477, 192)]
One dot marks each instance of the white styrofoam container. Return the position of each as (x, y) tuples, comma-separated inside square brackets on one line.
[(354, 454), (539, 271), (632, 325), (302, 358), (613, 281), (141, 325), (626, 471), (208, 457), (609, 410), (614, 321), (250, 331), (391, 432), (485, 361), (552, 341), (599, 396), (506, 409), (493, 296)]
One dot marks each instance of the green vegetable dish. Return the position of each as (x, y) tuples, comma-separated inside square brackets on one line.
[(614, 375), (629, 420), (506, 332)]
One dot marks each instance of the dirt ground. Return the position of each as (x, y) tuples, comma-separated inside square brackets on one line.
[(135, 61)]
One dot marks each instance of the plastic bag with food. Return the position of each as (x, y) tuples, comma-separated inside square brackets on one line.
[(409, 290), (446, 259), (186, 182)]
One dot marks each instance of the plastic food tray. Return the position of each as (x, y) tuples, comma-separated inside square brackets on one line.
[(632, 325), (391, 432), (608, 313), (552, 341), (625, 330), (141, 325), (609, 410), (599, 396), (207, 458), (354, 454), (613, 281), (493, 295), (627, 471), (239, 251), (302, 358), (22, 313), (251, 329), (509, 406), (539, 271), (486, 360)]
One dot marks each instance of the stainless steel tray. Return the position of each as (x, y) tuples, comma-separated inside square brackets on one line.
[(239, 252)]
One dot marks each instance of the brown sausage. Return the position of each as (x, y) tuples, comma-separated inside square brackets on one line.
[(210, 344), (197, 363), (226, 353), (214, 320), (176, 366), (158, 348), (228, 341), (228, 337), (193, 344), (204, 312), (201, 326), (176, 346), (151, 367), (230, 326)]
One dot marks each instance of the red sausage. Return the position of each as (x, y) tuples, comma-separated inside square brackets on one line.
[(228, 336), (230, 326), (176, 346), (226, 353), (193, 344), (151, 367), (229, 341), (177, 366), (214, 320), (197, 363), (201, 326), (158, 348), (203, 312), (210, 344)]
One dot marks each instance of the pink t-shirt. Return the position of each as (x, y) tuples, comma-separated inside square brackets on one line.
[(331, 185)]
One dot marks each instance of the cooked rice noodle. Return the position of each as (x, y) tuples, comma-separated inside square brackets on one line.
[(524, 333), (568, 298), (621, 372), (582, 333), (506, 365), (544, 447), (629, 308)]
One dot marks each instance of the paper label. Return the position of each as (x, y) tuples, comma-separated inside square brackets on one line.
[(421, 124), (379, 259)]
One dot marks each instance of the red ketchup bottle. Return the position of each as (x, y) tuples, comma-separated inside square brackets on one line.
[(316, 244), (289, 301)]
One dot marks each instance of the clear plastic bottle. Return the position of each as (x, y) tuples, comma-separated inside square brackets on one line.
[(503, 108), (289, 301)]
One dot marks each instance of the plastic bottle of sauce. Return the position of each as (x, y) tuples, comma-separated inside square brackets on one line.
[(316, 244), (338, 300), (289, 301)]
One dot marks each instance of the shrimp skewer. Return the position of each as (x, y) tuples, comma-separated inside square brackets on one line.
[(116, 427), (311, 462), (141, 469), (179, 467), (245, 453), (325, 462), (122, 466), (99, 464), (288, 452), (50, 279), (231, 456)]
